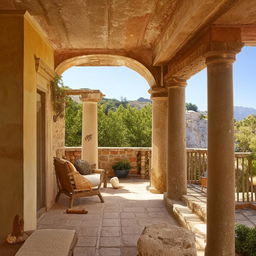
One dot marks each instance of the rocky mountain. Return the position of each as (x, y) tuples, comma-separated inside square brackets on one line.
[(242, 112), (196, 130)]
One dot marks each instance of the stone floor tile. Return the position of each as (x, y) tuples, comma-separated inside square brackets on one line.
[(110, 251), (130, 240), (127, 215), (87, 231), (111, 215), (129, 251), (110, 231), (87, 241), (128, 222), (111, 223), (130, 230), (90, 223), (141, 215), (134, 209), (110, 241), (155, 209), (85, 251)]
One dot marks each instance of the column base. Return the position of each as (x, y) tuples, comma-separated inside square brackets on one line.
[(170, 202), (155, 190)]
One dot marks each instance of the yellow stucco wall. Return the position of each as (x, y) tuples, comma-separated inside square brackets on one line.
[(20, 42), (34, 45)]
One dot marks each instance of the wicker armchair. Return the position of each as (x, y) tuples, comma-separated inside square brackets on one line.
[(75, 185)]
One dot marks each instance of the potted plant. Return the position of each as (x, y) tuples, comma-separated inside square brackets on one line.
[(122, 168)]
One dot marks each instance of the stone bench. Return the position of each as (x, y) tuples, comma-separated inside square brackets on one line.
[(166, 240), (46, 242)]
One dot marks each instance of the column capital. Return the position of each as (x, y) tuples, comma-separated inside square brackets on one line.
[(91, 96), (174, 82), (222, 52), (158, 93), (214, 57)]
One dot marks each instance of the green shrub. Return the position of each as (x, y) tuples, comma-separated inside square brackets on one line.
[(122, 165), (245, 240)]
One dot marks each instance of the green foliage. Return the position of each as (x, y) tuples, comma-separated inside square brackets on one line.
[(190, 106), (122, 165), (58, 97), (245, 240), (138, 123), (112, 104), (111, 129), (245, 131), (119, 125), (73, 123)]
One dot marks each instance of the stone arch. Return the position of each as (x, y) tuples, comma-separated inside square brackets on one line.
[(107, 60)]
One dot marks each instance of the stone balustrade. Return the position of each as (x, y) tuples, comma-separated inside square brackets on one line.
[(139, 158)]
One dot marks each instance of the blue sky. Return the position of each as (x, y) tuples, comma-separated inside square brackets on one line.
[(117, 82)]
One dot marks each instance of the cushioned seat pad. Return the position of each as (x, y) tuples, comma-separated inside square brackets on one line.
[(46, 242), (93, 178)]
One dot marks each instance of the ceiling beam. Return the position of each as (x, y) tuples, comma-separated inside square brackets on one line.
[(189, 17)]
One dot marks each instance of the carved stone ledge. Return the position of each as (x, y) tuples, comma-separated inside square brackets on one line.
[(175, 82), (158, 93)]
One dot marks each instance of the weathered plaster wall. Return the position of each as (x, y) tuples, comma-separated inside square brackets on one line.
[(34, 45), (11, 116)]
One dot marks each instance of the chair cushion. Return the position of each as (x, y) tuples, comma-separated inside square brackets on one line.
[(83, 167), (93, 178), (45, 242)]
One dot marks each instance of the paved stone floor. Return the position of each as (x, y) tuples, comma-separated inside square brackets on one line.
[(243, 216), (111, 228)]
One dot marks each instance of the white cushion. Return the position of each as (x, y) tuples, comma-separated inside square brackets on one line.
[(93, 178), (46, 242)]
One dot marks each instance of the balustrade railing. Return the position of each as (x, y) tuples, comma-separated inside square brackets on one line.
[(245, 175)]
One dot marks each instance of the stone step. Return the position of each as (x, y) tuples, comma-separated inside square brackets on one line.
[(192, 222), (197, 206)]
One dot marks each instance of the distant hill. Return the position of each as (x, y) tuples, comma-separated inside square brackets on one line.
[(239, 112), (141, 99), (242, 112)]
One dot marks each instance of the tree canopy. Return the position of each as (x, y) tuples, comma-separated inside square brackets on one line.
[(191, 106), (245, 134), (119, 124)]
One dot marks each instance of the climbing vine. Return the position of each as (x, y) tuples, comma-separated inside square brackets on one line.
[(58, 97)]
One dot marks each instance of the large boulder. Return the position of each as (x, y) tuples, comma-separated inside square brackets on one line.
[(166, 240)]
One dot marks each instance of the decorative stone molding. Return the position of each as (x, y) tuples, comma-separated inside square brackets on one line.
[(92, 96), (158, 93), (87, 95), (214, 57), (175, 82), (43, 69), (192, 58)]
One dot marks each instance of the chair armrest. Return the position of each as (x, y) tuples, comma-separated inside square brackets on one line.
[(100, 171)]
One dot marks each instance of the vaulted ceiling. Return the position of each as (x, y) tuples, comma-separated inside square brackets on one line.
[(161, 27)]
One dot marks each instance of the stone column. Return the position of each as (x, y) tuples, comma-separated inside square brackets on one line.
[(221, 174), (90, 126), (176, 153), (159, 140)]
